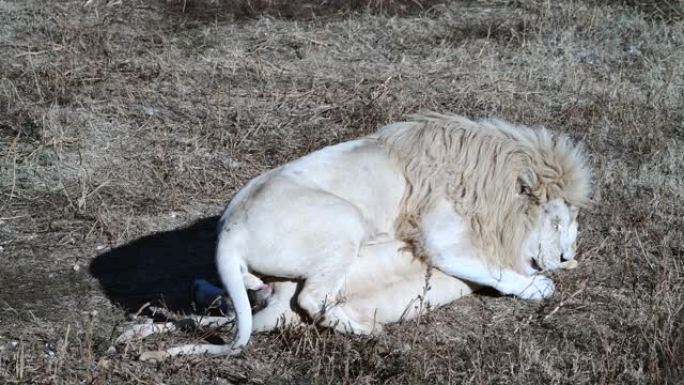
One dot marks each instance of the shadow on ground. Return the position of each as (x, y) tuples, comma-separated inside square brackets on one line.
[(159, 268)]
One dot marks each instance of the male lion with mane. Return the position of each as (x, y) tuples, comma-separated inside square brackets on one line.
[(473, 199)]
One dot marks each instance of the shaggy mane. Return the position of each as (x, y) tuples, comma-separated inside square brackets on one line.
[(497, 175)]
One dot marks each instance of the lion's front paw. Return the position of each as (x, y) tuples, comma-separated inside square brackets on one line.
[(539, 287)]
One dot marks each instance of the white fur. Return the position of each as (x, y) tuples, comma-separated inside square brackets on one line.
[(346, 194), (555, 236), (308, 220), (385, 284), (447, 242)]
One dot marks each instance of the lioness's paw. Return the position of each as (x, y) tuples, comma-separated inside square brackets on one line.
[(358, 328), (539, 287), (351, 326), (259, 298)]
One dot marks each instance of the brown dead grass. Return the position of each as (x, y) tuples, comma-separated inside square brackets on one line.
[(122, 119)]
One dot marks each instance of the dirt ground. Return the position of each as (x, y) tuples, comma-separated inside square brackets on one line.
[(136, 119)]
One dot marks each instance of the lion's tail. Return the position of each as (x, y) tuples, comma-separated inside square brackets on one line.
[(230, 267)]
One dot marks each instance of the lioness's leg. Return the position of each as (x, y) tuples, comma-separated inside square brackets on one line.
[(446, 240), (387, 283), (405, 300)]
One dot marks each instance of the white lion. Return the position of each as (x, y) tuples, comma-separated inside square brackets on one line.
[(387, 283), (467, 197)]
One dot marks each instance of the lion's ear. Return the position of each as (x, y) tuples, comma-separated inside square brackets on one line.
[(525, 183), (524, 188)]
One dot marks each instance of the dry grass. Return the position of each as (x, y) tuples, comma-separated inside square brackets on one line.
[(124, 118)]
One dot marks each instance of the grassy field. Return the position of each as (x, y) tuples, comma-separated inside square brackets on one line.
[(131, 118)]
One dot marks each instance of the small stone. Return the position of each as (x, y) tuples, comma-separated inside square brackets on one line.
[(77, 267), (232, 163), (104, 363), (154, 356), (149, 110), (632, 49)]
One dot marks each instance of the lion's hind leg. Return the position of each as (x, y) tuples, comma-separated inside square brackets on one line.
[(327, 308), (322, 294), (320, 297), (316, 237)]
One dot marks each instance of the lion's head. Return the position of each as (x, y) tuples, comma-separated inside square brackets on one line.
[(499, 176), (552, 241)]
